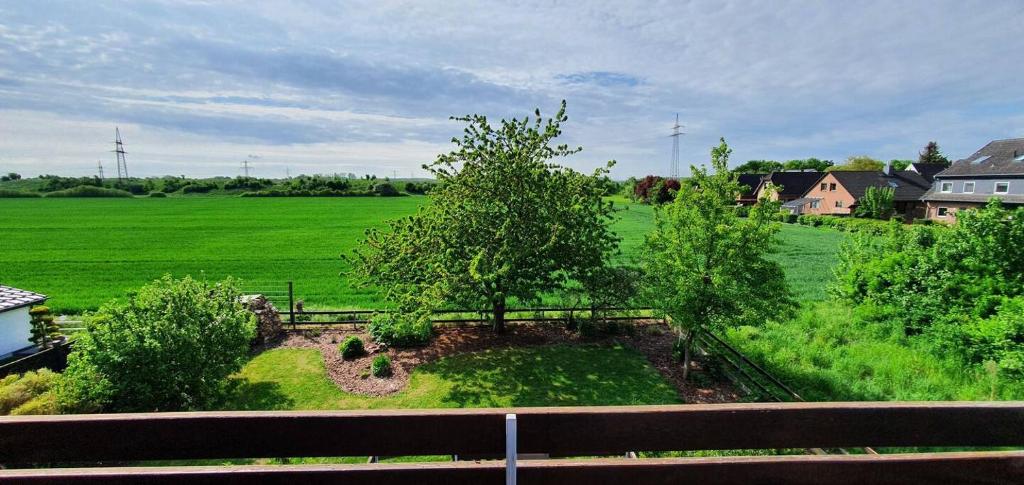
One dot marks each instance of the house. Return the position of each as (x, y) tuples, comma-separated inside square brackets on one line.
[(927, 170), (837, 192), (751, 182), (791, 185), (15, 326), (997, 170)]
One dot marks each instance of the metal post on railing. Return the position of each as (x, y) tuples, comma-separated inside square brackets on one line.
[(510, 449), (291, 305)]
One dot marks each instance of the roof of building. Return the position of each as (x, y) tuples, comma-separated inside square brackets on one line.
[(794, 183), (800, 202), (908, 185), (999, 157), (751, 180), (11, 298), (927, 170)]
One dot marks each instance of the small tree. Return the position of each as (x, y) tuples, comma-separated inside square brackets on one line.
[(705, 267), (876, 203), (859, 163), (44, 328), (932, 154), (504, 222)]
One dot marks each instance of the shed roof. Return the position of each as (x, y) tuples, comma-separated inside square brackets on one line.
[(11, 298)]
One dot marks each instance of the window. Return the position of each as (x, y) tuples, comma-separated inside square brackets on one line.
[(968, 187), (839, 203), (1002, 187), (816, 204), (942, 212), (824, 186), (831, 187), (946, 187)]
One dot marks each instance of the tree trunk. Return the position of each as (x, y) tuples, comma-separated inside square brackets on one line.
[(687, 345), (499, 316)]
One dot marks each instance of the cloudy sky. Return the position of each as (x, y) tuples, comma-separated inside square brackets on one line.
[(367, 87)]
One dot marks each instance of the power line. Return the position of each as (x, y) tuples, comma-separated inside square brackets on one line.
[(99, 164), (245, 167), (122, 162), (674, 168)]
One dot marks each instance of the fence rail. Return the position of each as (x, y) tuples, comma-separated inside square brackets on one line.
[(573, 431)]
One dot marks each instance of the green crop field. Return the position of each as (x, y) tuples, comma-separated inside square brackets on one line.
[(83, 252)]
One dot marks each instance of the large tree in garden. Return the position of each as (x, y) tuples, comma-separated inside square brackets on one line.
[(504, 222), (708, 269), (932, 154)]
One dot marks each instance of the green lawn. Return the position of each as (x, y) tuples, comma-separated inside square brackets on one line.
[(83, 252), (558, 375)]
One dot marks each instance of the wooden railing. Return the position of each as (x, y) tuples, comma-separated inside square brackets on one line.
[(579, 431)]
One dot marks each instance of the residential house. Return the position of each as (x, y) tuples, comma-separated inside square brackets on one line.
[(791, 185), (837, 192), (927, 170), (997, 170), (750, 182), (15, 326)]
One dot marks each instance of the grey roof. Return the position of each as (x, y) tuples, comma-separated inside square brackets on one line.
[(793, 184), (11, 298), (927, 170), (933, 196), (908, 185), (800, 202), (997, 158)]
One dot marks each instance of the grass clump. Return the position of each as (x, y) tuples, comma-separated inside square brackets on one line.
[(351, 348)]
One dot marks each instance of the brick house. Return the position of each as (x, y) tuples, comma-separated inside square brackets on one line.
[(996, 170), (837, 192)]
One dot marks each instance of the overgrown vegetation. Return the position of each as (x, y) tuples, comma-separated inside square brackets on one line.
[(401, 329), (876, 203)]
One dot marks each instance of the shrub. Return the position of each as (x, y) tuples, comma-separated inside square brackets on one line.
[(44, 329), (386, 190), (400, 329), (16, 194), (89, 191), (200, 187), (157, 194), (17, 391), (352, 347), (170, 346), (381, 366), (742, 211)]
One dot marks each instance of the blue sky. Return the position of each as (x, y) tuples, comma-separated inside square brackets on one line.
[(367, 87)]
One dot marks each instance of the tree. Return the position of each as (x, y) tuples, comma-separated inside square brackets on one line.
[(932, 154), (504, 222), (10, 176), (900, 165), (876, 203), (857, 163), (758, 166), (170, 346), (653, 189), (44, 329), (815, 164), (705, 267)]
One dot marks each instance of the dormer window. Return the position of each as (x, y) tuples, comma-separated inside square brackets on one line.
[(946, 187)]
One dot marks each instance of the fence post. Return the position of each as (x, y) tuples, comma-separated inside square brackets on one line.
[(291, 305), (510, 449)]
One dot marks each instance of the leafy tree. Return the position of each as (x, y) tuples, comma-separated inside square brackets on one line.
[(10, 176), (876, 203), (705, 267), (43, 327), (759, 166), (859, 163), (504, 222), (808, 164), (899, 165), (932, 154), (170, 346), (653, 189)]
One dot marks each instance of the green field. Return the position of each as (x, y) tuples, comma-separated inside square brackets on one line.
[(83, 252)]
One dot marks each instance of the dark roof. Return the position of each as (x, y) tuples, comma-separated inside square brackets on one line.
[(927, 170), (793, 184), (751, 180), (11, 298), (909, 185), (1000, 157)]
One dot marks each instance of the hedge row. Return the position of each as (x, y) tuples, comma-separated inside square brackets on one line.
[(16, 194), (89, 191), (846, 224)]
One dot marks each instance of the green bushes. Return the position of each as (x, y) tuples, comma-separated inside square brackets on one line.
[(351, 348), (29, 393), (386, 190), (89, 191), (200, 187), (16, 194), (850, 224), (44, 329), (169, 346), (785, 216), (158, 194), (742, 210), (400, 329), (381, 366)]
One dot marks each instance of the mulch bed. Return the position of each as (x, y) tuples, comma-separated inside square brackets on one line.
[(652, 339)]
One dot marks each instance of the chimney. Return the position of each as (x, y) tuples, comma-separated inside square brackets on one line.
[(889, 170)]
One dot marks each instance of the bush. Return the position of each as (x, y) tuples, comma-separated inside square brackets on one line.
[(44, 330), (381, 366), (89, 191), (386, 190), (786, 216), (18, 393), (16, 194), (200, 187), (400, 329), (351, 348), (999, 338), (170, 346), (849, 224), (157, 194), (742, 211)]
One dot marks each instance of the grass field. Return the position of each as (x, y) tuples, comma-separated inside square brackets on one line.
[(83, 252)]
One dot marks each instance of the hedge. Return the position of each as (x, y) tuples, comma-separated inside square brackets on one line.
[(16, 194), (89, 191), (846, 224)]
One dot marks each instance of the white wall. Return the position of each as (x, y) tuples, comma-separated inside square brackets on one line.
[(14, 330)]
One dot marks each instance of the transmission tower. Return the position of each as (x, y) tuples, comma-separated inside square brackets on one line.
[(674, 169), (122, 163), (99, 165), (245, 167)]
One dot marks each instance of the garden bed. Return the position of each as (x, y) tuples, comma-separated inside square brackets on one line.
[(653, 340)]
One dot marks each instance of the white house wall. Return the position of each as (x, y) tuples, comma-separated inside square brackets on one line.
[(14, 330)]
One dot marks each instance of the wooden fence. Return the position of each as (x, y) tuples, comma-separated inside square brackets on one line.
[(572, 431)]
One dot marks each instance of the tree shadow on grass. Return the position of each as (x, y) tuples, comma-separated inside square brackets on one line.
[(558, 375), (244, 395)]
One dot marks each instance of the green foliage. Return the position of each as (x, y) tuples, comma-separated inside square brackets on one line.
[(44, 329), (29, 393), (504, 222), (169, 347), (759, 166), (861, 162), (401, 329), (351, 348), (10, 176), (16, 194), (932, 154), (89, 191), (381, 366), (876, 203), (386, 190), (808, 164), (847, 224), (899, 165), (998, 338), (158, 194), (705, 267)]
